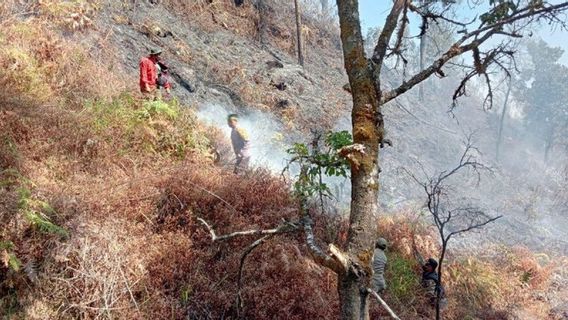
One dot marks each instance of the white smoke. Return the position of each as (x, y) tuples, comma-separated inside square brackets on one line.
[(269, 142), (268, 145)]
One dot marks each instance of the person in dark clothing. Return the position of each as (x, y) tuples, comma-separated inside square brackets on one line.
[(239, 3), (431, 282)]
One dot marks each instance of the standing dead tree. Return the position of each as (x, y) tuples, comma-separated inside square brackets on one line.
[(299, 40), (452, 218)]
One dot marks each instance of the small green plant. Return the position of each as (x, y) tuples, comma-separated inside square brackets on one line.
[(37, 213), (8, 257), (156, 108), (185, 295)]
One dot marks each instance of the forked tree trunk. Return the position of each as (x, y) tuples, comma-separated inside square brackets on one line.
[(367, 125)]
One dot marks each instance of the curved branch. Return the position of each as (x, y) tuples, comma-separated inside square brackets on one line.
[(286, 227), (335, 261), (472, 226), (247, 251)]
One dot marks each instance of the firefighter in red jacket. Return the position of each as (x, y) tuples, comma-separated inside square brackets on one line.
[(149, 73)]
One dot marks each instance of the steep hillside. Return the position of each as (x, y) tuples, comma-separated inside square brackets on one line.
[(101, 191)]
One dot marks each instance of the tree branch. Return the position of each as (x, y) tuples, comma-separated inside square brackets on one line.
[(478, 37), (285, 227), (383, 304), (335, 261), (473, 226), (386, 34), (248, 250)]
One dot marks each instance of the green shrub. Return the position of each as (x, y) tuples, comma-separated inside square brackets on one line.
[(152, 109), (403, 283), (155, 126)]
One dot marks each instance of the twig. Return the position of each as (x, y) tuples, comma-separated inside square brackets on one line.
[(247, 251), (128, 288)]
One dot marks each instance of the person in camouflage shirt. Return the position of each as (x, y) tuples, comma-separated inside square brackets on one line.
[(379, 266)]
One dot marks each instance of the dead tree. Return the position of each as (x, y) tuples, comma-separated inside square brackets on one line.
[(299, 40), (502, 119), (451, 218)]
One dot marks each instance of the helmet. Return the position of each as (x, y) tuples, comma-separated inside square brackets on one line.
[(155, 51), (381, 243)]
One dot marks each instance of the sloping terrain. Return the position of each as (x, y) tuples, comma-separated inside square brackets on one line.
[(100, 191)]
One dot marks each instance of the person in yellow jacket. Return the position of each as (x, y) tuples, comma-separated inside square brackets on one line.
[(241, 144)]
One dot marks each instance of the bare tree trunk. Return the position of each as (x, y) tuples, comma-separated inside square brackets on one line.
[(261, 7), (440, 265), (548, 144), (299, 33), (421, 65), (502, 121), (367, 125)]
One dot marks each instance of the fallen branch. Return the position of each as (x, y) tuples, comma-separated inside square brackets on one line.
[(249, 249), (383, 303), (283, 228)]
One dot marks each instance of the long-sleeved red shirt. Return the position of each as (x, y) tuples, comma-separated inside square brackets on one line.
[(148, 74)]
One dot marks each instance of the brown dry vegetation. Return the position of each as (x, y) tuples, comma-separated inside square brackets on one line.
[(100, 191)]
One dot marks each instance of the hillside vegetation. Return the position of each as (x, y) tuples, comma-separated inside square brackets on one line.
[(100, 190)]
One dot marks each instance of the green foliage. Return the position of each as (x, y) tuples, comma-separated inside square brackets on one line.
[(315, 162), (403, 283), (153, 126), (11, 260), (543, 92), (37, 213), (501, 9), (155, 108)]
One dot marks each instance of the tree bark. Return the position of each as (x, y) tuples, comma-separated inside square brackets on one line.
[(367, 125), (440, 265), (548, 143), (421, 65), (299, 39)]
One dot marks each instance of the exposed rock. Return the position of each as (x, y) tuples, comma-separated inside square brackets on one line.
[(274, 64)]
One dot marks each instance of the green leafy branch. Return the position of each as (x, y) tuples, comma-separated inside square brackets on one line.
[(37, 212), (317, 160)]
